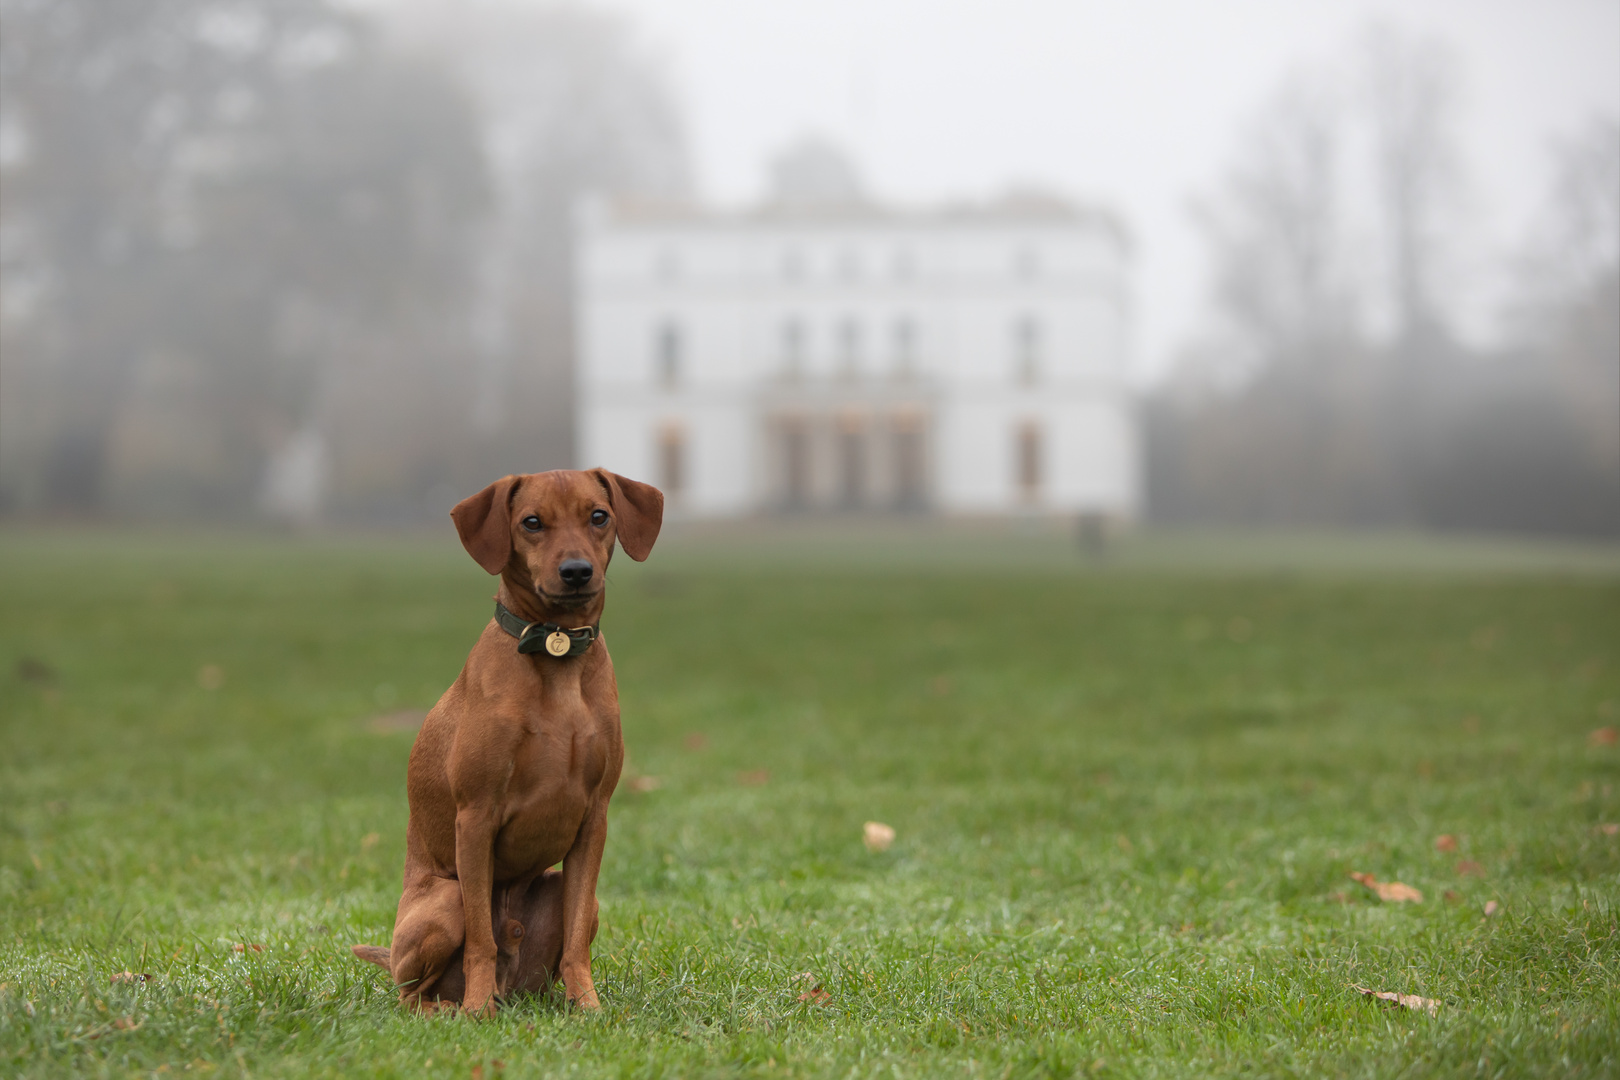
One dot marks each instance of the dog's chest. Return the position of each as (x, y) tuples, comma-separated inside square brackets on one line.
[(557, 768)]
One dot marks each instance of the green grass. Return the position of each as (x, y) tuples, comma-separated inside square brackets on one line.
[(1127, 800)]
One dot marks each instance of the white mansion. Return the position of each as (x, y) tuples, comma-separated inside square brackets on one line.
[(967, 361)]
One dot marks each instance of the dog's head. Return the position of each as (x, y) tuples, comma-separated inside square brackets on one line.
[(552, 533)]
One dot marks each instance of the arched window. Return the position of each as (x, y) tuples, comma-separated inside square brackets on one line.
[(793, 441), (910, 465), (672, 459), (1029, 454), (851, 460), (667, 354)]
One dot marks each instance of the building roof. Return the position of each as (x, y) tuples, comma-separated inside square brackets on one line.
[(1027, 206)]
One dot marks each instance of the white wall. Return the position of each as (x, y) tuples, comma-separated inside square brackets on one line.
[(723, 283)]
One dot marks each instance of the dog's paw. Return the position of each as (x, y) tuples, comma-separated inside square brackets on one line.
[(479, 1010)]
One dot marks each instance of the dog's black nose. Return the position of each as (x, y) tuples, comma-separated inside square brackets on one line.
[(575, 572)]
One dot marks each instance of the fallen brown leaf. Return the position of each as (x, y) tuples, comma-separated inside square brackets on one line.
[(1451, 896), (130, 977), (646, 783), (1405, 1001), (1609, 829), (125, 1023), (1445, 842), (244, 947), (877, 836), (1604, 736), (1491, 908), (754, 777), (1470, 868), (816, 995), (695, 741), (1392, 891)]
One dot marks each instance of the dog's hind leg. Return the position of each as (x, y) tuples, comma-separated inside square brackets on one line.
[(428, 934)]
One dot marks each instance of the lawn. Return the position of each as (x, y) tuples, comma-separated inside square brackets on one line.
[(1128, 797)]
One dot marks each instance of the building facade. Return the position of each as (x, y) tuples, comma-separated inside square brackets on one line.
[(967, 362)]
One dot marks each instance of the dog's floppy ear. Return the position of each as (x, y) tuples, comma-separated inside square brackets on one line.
[(639, 510), (484, 522)]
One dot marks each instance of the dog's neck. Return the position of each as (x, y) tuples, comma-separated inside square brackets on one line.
[(521, 599)]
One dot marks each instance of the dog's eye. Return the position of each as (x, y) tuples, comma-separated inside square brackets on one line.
[(599, 517), (531, 523)]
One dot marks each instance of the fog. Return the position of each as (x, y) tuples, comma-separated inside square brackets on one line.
[(319, 262)]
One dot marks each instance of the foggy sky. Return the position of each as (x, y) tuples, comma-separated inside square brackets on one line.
[(1135, 105)]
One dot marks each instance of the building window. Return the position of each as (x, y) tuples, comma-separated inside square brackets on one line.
[(793, 440), (910, 476), (905, 348), (792, 345), (1029, 459), (667, 354), (1027, 350), (851, 461), (672, 459), (849, 347)]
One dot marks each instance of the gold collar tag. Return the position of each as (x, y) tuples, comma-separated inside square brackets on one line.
[(558, 643)]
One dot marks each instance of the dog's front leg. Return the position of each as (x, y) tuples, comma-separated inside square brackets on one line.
[(580, 867), (475, 859)]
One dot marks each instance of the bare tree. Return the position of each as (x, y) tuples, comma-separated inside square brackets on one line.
[(1566, 316), (571, 105), (1411, 93), (1334, 421), (113, 111), (193, 189), (1281, 277)]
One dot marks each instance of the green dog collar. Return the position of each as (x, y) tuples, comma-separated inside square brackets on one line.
[(546, 637)]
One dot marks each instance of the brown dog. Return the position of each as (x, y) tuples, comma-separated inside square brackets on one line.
[(513, 768)]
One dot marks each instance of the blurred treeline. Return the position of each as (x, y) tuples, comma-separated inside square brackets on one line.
[(279, 256), (1335, 383), (267, 255)]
